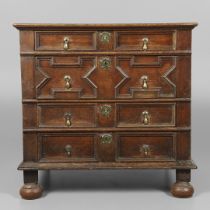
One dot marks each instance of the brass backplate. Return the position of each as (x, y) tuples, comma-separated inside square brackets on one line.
[(105, 63), (105, 37), (106, 110), (106, 138)]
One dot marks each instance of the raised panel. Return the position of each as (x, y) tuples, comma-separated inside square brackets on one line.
[(56, 115), (146, 146), (54, 40), (146, 77), (51, 72), (157, 40), (52, 147), (158, 115)]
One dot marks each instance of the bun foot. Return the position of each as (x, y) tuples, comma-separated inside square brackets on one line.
[(31, 191), (182, 190)]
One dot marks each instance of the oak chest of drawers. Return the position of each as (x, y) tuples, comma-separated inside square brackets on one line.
[(111, 96)]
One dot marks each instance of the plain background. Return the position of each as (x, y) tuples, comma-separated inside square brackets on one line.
[(146, 189)]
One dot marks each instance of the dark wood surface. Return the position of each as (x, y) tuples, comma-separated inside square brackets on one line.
[(121, 103), (49, 26), (52, 148), (183, 165)]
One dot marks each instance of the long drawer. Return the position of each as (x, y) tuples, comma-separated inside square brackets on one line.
[(104, 146), (102, 77), (106, 115), (136, 40)]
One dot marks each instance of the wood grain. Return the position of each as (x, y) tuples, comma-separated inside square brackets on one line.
[(46, 98)]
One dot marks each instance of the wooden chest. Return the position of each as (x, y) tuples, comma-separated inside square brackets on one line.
[(106, 96)]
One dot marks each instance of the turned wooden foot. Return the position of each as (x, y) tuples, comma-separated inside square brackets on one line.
[(31, 191), (182, 190)]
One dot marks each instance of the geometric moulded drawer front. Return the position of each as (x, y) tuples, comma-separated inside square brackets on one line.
[(146, 76), (146, 147), (105, 77), (65, 77)]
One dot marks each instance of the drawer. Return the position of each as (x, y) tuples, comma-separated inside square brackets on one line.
[(67, 147), (65, 40), (146, 146), (66, 115), (108, 77), (145, 40), (146, 114), (148, 76), (65, 77)]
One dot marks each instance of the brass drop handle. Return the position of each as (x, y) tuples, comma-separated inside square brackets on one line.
[(67, 80), (68, 149), (66, 43), (67, 117), (145, 43), (144, 82), (145, 149), (145, 117)]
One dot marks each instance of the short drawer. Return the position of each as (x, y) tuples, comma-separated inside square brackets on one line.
[(144, 146), (146, 114), (67, 147), (65, 40), (145, 40), (65, 77), (149, 76), (66, 115)]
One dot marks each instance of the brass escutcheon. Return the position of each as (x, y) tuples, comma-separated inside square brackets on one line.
[(106, 138), (106, 110), (105, 63), (105, 37)]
